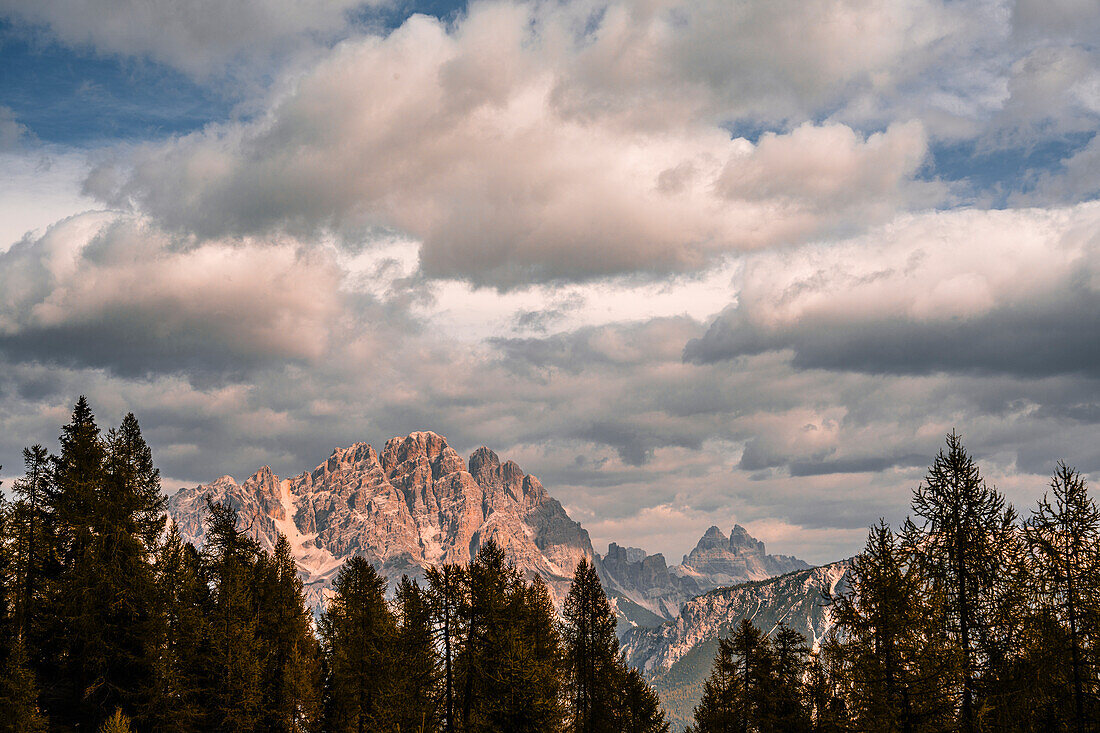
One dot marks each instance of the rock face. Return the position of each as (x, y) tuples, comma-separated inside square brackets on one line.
[(677, 656), (417, 505), (647, 592)]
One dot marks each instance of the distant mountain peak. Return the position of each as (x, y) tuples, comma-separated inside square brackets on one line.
[(650, 592)]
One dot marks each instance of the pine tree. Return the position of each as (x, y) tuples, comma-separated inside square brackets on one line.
[(591, 653), (233, 692), (893, 655), (31, 543), (418, 668), (965, 549), (73, 663), (498, 666), (448, 588), (289, 651), (737, 695), (1063, 536), (639, 709), (543, 657), (358, 642), (183, 604), (786, 706), (18, 693), (717, 708)]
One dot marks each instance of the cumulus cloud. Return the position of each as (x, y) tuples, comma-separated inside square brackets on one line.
[(457, 139), (106, 290), (1012, 292)]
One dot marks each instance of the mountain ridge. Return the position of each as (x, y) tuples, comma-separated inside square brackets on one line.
[(418, 504)]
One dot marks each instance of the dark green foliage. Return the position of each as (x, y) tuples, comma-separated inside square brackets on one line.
[(418, 669), (1063, 536), (290, 655), (604, 695), (358, 640), (183, 601), (233, 658), (448, 591), (18, 691), (639, 709), (895, 660), (592, 652), (966, 548)]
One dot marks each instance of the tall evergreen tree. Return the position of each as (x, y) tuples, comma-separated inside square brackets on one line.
[(30, 556), (358, 642), (288, 649), (448, 588), (894, 656), (418, 668), (591, 653), (737, 697), (1063, 535), (19, 711), (541, 678), (507, 666), (233, 660), (73, 664), (786, 706), (181, 641), (639, 709), (968, 533)]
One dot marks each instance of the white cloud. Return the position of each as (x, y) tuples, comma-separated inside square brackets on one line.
[(457, 139), (110, 290)]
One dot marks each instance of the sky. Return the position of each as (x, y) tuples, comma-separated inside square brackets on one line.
[(691, 262)]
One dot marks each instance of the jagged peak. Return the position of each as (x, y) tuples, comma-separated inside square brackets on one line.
[(481, 458), (261, 473)]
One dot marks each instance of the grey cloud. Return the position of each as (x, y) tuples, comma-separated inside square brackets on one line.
[(106, 291), (1024, 339)]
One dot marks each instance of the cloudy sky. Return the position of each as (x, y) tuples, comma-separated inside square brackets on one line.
[(691, 262)]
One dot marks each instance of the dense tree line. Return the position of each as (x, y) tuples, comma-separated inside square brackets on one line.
[(110, 622), (968, 618)]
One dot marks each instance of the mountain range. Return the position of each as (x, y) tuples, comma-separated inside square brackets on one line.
[(418, 503)]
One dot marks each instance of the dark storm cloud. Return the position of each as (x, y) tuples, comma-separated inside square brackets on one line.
[(1023, 339)]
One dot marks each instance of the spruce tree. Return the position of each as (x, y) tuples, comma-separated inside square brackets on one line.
[(500, 664), (418, 668), (358, 643), (639, 709), (19, 711), (181, 642), (893, 655), (448, 589), (786, 704), (233, 693), (717, 707), (289, 651), (73, 664), (542, 673), (591, 653), (968, 533), (737, 697), (1063, 536), (31, 543)]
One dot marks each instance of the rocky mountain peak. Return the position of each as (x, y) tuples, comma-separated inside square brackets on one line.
[(742, 541), (413, 506), (484, 463)]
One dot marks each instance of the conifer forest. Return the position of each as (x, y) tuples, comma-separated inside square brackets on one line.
[(970, 616)]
